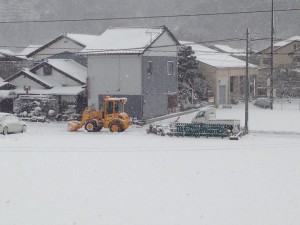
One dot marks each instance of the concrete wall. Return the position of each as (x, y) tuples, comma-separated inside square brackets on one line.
[(113, 75), (63, 45)]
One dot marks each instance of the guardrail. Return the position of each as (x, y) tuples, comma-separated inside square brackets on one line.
[(201, 130)]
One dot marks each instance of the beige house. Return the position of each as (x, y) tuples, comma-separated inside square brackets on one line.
[(286, 52), (282, 52), (296, 57), (226, 74)]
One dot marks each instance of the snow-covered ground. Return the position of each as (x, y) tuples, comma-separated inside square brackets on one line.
[(52, 177)]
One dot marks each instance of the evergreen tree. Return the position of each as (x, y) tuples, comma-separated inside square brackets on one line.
[(193, 86), (285, 81)]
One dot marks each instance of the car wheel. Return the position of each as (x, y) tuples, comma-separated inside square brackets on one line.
[(24, 129), (5, 131)]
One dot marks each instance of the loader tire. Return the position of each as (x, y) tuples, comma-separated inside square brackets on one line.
[(115, 127), (91, 126)]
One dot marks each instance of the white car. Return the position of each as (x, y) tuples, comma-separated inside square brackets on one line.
[(10, 123)]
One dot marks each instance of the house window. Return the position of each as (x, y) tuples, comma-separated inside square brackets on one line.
[(47, 69), (150, 68), (232, 80), (262, 92), (170, 68), (267, 61)]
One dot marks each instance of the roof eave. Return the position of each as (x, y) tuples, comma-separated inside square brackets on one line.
[(165, 29), (52, 42)]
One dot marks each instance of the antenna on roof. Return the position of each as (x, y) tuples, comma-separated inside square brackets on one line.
[(151, 32)]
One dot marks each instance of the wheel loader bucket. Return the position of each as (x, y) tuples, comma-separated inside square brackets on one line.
[(73, 126)]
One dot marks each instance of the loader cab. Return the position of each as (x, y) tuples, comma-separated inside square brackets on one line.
[(113, 109), (114, 106)]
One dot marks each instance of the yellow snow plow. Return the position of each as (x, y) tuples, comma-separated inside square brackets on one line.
[(112, 117)]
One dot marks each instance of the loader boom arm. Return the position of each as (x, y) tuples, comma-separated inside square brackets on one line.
[(86, 115)]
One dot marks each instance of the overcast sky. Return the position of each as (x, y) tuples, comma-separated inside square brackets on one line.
[(194, 28)]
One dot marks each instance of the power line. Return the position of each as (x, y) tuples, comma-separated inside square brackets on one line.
[(149, 17), (150, 49)]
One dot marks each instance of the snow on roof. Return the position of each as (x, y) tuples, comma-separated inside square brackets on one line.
[(7, 52), (29, 49), (84, 39), (123, 41), (3, 83), (8, 94), (297, 70), (37, 77), (228, 49), (214, 58), (70, 67), (287, 41), (71, 90)]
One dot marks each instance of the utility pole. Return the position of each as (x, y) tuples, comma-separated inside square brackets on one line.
[(272, 56), (247, 85)]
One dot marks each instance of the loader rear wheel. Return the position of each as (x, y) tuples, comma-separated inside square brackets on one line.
[(91, 126), (115, 127)]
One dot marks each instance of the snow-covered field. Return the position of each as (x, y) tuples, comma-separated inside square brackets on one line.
[(52, 177)]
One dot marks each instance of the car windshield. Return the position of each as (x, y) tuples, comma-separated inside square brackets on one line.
[(201, 114), (2, 117)]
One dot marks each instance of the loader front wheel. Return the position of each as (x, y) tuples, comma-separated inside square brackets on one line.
[(115, 127), (91, 126)]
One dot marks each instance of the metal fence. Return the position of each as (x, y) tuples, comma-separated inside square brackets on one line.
[(286, 103)]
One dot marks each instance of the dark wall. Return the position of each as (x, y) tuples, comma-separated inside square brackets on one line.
[(6, 105), (158, 85), (9, 68)]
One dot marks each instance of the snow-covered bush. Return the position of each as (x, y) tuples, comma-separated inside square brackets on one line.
[(35, 106)]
